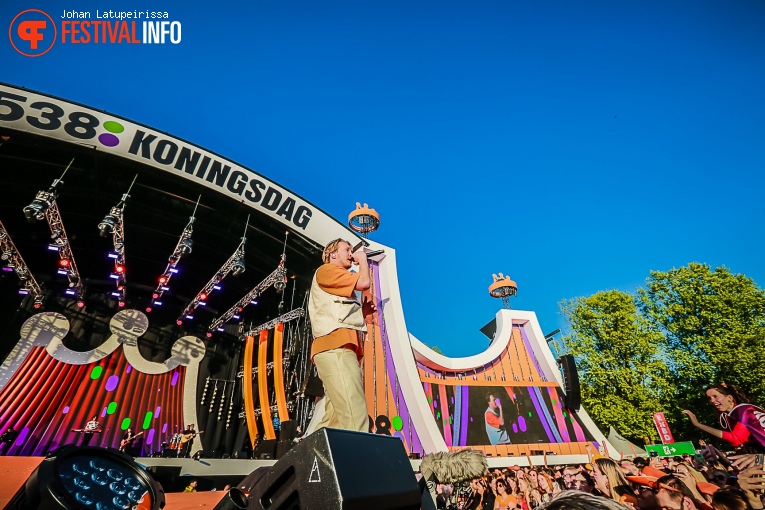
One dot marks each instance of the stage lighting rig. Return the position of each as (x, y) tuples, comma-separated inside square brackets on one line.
[(183, 247), (279, 275), (44, 206), (284, 319), (234, 264), (44, 200), (10, 254), (113, 224)]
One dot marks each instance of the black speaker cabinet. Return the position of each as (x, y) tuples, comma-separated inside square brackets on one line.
[(288, 430), (266, 449), (572, 398), (337, 469)]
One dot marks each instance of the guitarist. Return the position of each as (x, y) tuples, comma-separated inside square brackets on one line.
[(187, 439), (127, 439)]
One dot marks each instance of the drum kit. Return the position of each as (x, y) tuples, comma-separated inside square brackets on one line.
[(172, 448)]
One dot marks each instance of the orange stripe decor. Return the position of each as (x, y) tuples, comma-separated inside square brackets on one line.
[(249, 404), (281, 399), (265, 404)]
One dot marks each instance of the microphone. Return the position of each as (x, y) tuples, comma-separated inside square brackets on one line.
[(374, 253)]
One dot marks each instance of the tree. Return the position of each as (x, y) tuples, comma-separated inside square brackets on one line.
[(713, 323), (624, 377)]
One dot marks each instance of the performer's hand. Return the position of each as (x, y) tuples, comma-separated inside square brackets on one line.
[(359, 257), (368, 307), (498, 402), (691, 416)]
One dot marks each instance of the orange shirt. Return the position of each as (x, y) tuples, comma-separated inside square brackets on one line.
[(340, 282)]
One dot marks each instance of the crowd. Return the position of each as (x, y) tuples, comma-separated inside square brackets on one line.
[(708, 480), (676, 483)]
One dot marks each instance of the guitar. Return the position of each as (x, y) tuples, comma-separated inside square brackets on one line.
[(185, 438), (95, 431), (126, 442)]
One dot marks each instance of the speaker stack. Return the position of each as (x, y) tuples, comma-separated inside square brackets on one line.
[(572, 398), (337, 469)]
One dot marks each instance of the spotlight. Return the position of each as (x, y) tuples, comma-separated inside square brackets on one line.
[(209, 335), (107, 225), (54, 247), (89, 477), (148, 309), (119, 268), (202, 296), (37, 304), (6, 254), (163, 279), (64, 263), (36, 210), (185, 246), (113, 255), (179, 322), (80, 303), (238, 267), (121, 304), (154, 296)]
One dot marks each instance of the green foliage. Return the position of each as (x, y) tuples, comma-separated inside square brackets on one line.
[(657, 351), (623, 377)]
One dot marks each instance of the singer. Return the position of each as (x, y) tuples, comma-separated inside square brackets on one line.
[(337, 309)]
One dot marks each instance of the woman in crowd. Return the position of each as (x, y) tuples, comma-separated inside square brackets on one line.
[(504, 500), (743, 424), (609, 479)]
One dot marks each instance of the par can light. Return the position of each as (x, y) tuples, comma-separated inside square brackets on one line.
[(77, 477)]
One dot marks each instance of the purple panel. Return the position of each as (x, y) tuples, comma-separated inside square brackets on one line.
[(65, 410), (112, 382), (541, 415), (175, 379), (150, 436), (22, 436), (463, 421), (156, 412), (408, 431)]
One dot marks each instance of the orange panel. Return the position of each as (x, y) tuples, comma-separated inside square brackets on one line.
[(265, 404), (502, 450), (281, 400), (380, 372), (490, 450), (565, 448), (14, 472), (249, 403), (513, 450)]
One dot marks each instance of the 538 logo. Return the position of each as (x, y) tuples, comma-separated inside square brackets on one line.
[(32, 33), (50, 116)]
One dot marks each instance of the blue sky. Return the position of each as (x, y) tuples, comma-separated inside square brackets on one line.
[(574, 146)]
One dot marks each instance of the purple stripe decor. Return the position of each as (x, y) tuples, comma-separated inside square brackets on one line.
[(403, 411)]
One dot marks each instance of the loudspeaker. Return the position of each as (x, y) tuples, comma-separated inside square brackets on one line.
[(572, 398), (282, 447), (288, 432), (314, 387), (266, 449), (337, 469)]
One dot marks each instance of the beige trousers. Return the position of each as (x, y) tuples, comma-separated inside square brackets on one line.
[(345, 405)]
